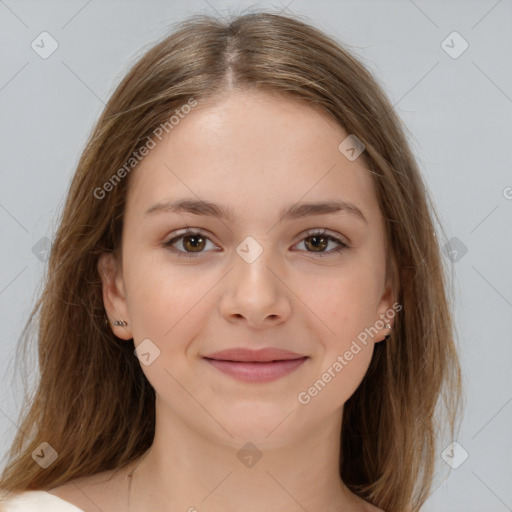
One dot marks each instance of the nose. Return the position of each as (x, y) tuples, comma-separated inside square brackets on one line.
[(255, 292)]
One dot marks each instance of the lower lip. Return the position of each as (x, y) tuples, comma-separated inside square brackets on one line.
[(257, 372)]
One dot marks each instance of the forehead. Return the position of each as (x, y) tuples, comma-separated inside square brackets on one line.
[(250, 151)]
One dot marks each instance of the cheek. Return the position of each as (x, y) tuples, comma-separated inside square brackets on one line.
[(336, 383), (345, 301), (346, 308), (168, 303)]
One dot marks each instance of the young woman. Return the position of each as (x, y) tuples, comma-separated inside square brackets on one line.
[(246, 307)]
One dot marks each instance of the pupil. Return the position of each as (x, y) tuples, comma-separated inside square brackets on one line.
[(195, 244), (316, 240)]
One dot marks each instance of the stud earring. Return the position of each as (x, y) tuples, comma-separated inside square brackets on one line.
[(387, 335), (120, 323)]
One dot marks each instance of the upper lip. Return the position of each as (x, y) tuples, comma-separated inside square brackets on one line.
[(261, 355)]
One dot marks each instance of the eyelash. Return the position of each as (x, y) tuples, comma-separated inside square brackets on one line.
[(309, 234)]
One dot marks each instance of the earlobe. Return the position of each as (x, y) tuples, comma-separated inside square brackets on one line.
[(114, 298), (386, 311)]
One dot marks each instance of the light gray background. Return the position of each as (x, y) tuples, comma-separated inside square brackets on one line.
[(459, 111)]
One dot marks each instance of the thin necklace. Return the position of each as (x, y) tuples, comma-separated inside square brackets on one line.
[(130, 478)]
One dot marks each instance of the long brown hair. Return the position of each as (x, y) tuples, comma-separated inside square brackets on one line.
[(94, 405)]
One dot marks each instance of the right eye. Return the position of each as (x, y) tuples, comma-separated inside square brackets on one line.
[(190, 240)]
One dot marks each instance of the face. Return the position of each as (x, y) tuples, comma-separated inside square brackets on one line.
[(309, 284)]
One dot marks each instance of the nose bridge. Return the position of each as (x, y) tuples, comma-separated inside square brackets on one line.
[(254, 290), (252, 261)]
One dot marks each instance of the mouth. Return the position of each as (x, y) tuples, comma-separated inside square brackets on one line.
[(263, 365)]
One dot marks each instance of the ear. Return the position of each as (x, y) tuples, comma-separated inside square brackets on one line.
[(387, 307), (114, 297)]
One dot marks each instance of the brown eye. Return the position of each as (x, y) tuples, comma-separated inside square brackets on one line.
[(317, 243), (192, 243)]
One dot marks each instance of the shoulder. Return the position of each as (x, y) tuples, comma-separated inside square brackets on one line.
[(105, 491), (35, 501), (73, 496)]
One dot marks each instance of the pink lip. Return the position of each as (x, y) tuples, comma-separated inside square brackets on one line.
[(263, 365)]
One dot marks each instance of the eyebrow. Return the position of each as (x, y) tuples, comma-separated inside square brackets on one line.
[(296, 211)]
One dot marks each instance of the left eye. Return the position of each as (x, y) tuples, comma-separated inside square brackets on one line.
[(195, 241), (320, 239)]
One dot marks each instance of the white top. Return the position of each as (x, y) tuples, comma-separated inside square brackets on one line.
[(36, 501)]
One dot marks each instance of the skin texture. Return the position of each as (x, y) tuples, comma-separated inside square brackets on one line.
[(256, 154)]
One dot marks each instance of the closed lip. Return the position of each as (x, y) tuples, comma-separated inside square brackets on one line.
[(256, 356)]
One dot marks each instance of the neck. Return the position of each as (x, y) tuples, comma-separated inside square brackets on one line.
[(186, 470)]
